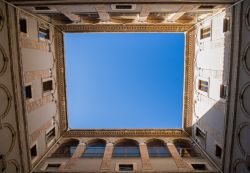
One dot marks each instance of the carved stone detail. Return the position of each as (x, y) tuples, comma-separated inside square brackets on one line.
[(125, 28), (247, 17), (244, 130), (60, 66), (189, 80), (240, 165), (3, 61), (5, 101), (246, 59), (1, 20), (126, 133), (244, 99), (12, 136)]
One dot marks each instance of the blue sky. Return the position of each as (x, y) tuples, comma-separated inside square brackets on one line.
[(124, 80)]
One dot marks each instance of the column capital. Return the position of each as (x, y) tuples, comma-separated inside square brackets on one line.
[(142, 143)]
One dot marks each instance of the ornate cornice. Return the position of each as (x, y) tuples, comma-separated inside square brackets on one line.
[(125, 133), (60, 66), (189, 81), (125, 28)]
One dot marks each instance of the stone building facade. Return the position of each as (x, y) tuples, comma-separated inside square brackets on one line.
[(34, 133)]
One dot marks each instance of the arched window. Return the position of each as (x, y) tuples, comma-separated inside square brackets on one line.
[(95, 149), (185, 149), (128, 148), (158, 148), (66, 149)]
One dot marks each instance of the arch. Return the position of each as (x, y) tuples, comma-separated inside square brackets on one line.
[(90, 141), (157, 148), (185, 148), (67, 148), (125, 139), (126, 148), (95, 148)]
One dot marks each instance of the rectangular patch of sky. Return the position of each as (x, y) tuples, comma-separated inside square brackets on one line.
[(124, 80)]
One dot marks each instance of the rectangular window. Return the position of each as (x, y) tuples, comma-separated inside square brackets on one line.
[(43, 33), (226, 24), (42, 8), (47, 86), (33, 152), (28, 92), (50, 135), (53, 167), (203, 85), (23, 25), (205, 32), (218, 151), (199, 166), (223, 91), (200, 133), (126, 167)]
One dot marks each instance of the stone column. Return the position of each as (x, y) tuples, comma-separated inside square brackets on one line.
[(146, 164), (106, 161), (180, 163), (78, 152)]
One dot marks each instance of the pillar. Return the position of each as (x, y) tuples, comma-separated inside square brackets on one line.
[(78, 152), (106, 161), (146, 164), (180, 163)]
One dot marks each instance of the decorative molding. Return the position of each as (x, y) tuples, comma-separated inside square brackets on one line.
[(2, 19), (125, 133), (61, 86), (237, 163), (244, 107), (3, 61), (189, 80), (13, 137), (32, 105), (239, 131), (125, 28), (15, 163), (5, 111), (244, 59), (247, 17), (35, 135)]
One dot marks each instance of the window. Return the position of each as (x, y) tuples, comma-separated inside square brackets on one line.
[(158, 149), (199, 166), (43, 33), (47, 86), (126, 149), (23, 25), (53, 166), (126, 167), (42, 8), (223, 91), (205, 32), (28, 92), (50, 135), (200, 133), (226, 24), (218, 151), (203, 85), (206, 7), (67, 149), (33, 152), (95, 149)]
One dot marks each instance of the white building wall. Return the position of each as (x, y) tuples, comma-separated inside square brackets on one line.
[(211, 65)]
